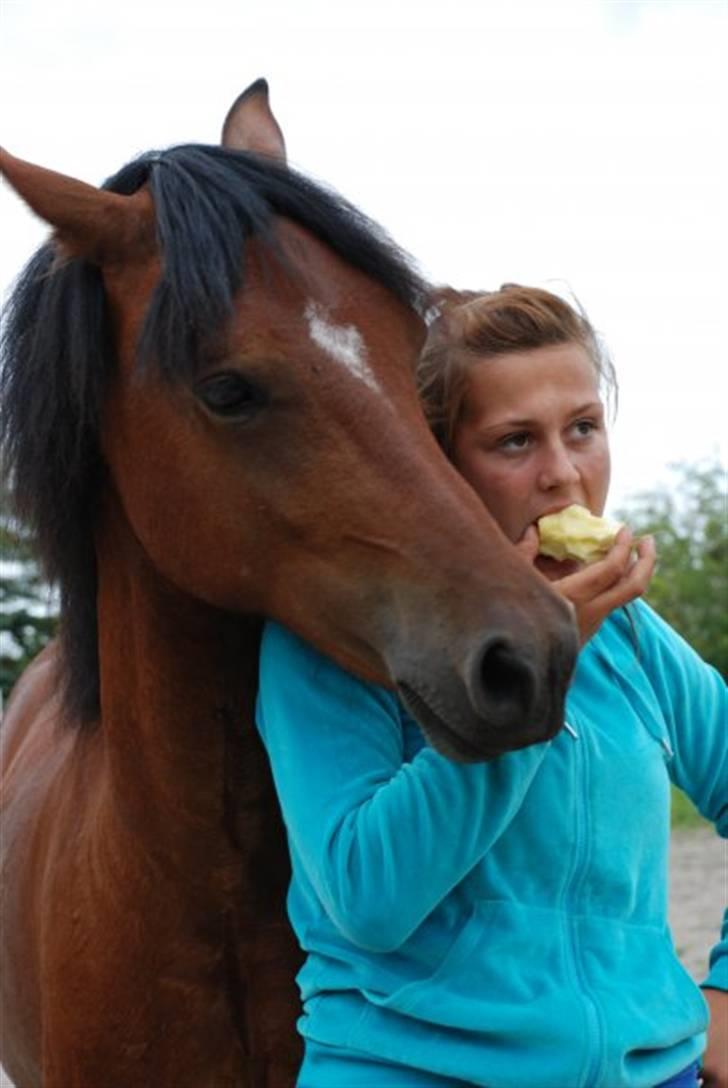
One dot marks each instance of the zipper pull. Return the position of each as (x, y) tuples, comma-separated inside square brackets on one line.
[(570, 729)]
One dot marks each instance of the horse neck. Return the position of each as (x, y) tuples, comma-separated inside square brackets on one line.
[(178, 680)]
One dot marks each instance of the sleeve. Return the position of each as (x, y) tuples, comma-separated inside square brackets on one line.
[(694, 701), (382, 841)]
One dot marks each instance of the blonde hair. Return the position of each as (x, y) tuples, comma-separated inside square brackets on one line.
[(474, 326)]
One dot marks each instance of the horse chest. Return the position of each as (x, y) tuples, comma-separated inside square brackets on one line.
[(162, 963)]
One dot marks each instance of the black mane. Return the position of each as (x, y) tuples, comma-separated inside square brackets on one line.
[(58, 352)]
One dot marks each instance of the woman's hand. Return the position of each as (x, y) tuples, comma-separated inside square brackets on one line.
[(620, 577), (715, 1059)]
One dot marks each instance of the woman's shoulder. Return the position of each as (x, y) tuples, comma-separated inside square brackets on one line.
[(642, 629), (284, 653), (281, 643), (286, 658), (638, 639)]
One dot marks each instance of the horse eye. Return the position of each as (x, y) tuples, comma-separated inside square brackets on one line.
[(231, 396)]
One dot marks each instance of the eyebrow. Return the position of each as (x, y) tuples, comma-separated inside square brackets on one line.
[(594, 407)]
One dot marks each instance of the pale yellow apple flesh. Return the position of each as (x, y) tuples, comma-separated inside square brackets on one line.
[(574, 533)]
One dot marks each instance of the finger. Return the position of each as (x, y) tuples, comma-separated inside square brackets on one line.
[(645, 546), (640, 573), (528, 545), (625, 533), (634, 581), (591, 611), (591, 581)]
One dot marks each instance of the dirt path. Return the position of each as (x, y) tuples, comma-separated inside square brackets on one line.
[(699, 892), (699, 865)]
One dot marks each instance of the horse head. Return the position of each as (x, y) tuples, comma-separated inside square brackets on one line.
[(255, 429)]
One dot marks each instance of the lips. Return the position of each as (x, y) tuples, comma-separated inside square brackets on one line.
[(556, 508)]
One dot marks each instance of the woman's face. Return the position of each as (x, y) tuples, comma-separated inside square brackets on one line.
[(532, 437)]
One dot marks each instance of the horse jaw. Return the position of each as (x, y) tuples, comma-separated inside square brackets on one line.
[(251, 126)]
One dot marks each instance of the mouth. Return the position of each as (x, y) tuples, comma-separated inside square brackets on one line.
[(557, 507), (440, 735)]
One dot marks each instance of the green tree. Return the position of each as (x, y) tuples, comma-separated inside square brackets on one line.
[(690, 586)]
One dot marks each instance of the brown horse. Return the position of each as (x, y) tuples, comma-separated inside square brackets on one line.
[(211, 417)]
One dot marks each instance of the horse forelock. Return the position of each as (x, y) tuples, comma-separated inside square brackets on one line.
[(209, 202), (58, 350)]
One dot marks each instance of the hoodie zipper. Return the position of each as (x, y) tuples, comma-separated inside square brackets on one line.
[(572, 887)]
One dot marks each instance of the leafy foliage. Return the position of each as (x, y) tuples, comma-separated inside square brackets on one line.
[(690, 586), (28, 608), (683, 812)]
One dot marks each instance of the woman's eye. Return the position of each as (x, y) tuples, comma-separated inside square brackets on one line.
[(519, 441), (231, 396), (584, 427)]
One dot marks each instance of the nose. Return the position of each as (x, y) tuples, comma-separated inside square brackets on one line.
[(558, 467), (518, 692), (501, 682)]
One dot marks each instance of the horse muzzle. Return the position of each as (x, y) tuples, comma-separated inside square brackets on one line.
[(508, 692)]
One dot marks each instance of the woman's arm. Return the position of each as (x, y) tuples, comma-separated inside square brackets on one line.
[(694, 701), (381, 840)]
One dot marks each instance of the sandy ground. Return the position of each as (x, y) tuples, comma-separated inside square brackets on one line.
[(699, 891)]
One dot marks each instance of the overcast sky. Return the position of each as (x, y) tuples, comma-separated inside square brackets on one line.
[(574, 145)]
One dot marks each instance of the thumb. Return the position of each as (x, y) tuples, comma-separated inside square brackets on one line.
[(528, 544)]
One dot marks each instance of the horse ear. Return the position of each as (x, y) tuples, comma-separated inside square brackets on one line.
[(251, 126), (88, 222)]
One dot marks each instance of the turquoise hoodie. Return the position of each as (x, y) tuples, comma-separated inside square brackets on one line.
[(502, 923)]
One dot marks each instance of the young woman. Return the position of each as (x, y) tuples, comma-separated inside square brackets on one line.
[(504, 924)]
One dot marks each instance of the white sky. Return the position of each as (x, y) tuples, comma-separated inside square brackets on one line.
[(578, 145)]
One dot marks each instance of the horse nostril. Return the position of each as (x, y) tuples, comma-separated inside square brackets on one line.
[(503, 683)]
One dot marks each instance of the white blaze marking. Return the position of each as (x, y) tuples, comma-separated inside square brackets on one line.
[(344, 343)]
